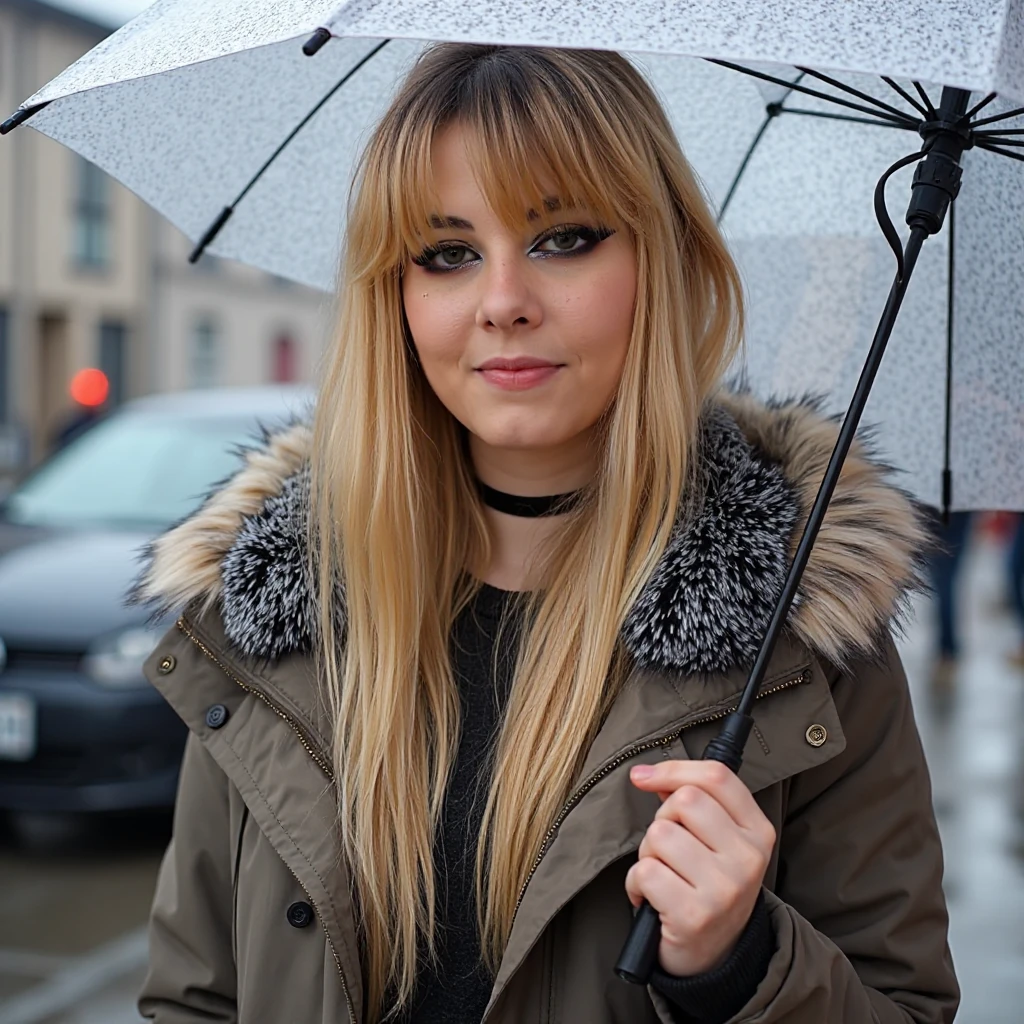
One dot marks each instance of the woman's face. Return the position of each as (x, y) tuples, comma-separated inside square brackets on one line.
[(521, 333)]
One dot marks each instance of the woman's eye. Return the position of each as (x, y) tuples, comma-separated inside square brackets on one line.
[(452, 256), (562, 241), (447, 256)]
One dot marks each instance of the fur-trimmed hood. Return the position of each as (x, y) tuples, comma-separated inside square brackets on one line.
[(705, 607)]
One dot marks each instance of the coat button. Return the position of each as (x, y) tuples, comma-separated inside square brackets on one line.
[(299, 915), (166, 664), (216, 716), (816, 735)]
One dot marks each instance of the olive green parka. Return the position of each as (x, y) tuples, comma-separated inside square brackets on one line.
[(254, 920)]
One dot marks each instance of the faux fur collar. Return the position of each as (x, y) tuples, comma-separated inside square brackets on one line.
[(705, 607)]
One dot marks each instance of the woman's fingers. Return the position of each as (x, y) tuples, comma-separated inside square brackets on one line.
[(679, 849), (701, 862), (718, 782), (702, 815), (652, 880)]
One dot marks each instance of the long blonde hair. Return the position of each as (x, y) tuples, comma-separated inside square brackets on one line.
[(397, 521)]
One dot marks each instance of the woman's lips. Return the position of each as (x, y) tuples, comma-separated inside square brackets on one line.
[(519, 379)]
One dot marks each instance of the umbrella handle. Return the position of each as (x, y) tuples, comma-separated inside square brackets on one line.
[(640, 950)]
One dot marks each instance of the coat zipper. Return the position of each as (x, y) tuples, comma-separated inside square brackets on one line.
[(320, 762), (622, 758)]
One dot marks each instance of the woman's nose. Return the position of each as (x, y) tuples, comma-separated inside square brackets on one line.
[(507, 298)]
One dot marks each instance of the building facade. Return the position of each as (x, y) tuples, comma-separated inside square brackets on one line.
[(92, 277)]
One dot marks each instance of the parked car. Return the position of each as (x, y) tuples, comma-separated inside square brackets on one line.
[(80, 728)]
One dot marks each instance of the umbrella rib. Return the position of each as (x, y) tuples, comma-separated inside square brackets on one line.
[(743, 166), (998, 132), (1001, 152), (906, 95), (999, 117), (302, 124), (849, 89), (214, 229), (846, 117), (932, 113), (816, 93), (773, 110), (997, 140), (978, 106)]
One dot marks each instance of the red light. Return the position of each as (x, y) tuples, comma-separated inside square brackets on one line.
[(90, 387)]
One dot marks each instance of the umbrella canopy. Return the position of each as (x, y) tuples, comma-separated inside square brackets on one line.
[(200, 106), (816, 267), (189, 101)]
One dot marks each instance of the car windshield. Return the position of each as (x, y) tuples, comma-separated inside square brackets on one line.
[(131, 470)]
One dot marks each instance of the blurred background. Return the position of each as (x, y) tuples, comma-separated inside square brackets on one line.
[(127, 378)]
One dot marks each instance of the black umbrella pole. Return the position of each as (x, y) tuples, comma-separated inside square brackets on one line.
[(640, 951)]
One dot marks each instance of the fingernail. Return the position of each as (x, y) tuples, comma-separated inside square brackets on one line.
[(641, 772)]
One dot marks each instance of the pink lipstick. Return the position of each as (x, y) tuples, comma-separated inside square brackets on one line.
[(518, 373)]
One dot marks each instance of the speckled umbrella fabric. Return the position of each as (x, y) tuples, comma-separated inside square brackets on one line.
[(187, 102)]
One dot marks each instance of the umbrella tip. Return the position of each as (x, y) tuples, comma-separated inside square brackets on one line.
[(313, 44), (20, 116)]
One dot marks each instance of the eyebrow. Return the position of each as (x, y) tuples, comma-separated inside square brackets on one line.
[(450, 222), (551, 204)]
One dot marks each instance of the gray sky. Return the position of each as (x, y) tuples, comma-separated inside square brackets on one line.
[(107, 12)]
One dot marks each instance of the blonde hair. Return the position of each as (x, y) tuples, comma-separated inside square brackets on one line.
[(397, 519)]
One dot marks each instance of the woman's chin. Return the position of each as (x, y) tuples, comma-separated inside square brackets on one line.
[(521, 436)]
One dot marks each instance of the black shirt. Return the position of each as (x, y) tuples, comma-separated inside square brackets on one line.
[(458, 990)]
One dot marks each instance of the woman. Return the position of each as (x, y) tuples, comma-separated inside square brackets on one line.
[(449, 659)]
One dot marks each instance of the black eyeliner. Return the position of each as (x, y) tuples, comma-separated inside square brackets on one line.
[(430, 252), (591, 236)]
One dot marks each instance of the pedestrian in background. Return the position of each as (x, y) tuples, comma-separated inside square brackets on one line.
[(1015, 588), (450, 658), (951, 537)]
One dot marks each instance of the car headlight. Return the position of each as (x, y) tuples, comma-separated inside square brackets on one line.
[(115, 661)]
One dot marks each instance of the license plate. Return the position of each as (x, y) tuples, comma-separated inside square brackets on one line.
[(17, 727)]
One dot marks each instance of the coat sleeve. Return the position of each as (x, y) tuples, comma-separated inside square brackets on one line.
[(191, 974), (858, 909)]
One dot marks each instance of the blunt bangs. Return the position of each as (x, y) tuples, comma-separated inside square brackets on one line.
[(534, 134)]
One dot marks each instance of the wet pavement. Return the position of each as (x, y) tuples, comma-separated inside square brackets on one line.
[(974, 738), (74, 895)]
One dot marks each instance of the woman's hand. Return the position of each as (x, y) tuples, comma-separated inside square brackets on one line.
[(701, 863)]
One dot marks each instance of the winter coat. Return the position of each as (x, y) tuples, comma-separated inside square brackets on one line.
[(253, 919)]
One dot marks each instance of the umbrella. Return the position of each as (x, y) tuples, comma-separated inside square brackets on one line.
[(215, 115), (217, 111)]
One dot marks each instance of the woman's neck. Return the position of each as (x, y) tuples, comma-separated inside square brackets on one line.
[(515, 540)]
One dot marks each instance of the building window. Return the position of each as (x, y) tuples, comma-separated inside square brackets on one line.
[(205, 353), (283, 368), (113, 342), (5, 355), (92, 216)]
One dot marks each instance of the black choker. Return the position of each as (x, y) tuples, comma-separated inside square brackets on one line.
[(530, 507)]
